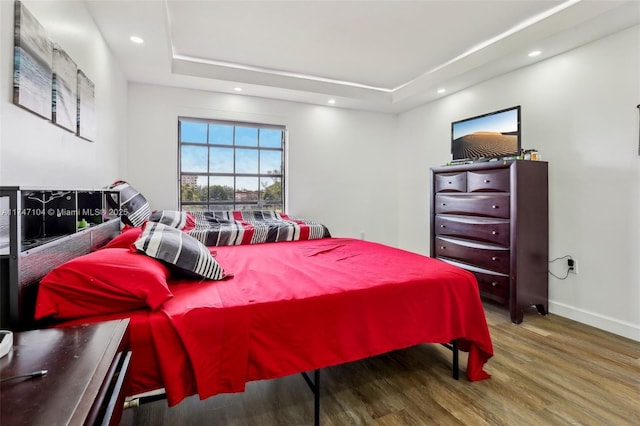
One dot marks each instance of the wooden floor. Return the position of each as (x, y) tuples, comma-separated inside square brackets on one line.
[(546, 371)]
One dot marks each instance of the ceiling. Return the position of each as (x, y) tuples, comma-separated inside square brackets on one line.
[(373, 55)]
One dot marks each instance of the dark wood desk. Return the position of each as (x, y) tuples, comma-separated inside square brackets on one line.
[(87, 368)]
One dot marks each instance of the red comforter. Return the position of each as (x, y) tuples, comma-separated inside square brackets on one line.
[(298, 306)]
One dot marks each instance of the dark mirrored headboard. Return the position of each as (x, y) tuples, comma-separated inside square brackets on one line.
[(28, 258)]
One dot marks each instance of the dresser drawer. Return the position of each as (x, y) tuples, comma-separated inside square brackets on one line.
[(486, 257), (107, 409), (495, 287), (494, 205), (491, 230), (451, 182), (488, 180)]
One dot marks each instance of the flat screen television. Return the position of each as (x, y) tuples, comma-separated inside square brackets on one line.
[(492, 135)]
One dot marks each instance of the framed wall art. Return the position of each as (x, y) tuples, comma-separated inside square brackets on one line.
[(33, 55), (65, 90), (86, 108)]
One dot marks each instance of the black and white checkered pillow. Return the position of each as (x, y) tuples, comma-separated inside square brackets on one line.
[(135, 208), (176, 248), (172, 218)]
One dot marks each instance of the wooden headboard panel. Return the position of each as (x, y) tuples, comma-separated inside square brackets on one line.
[(32, 265)]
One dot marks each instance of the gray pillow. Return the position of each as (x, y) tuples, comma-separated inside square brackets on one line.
[(180, 250), (171, 218), (134, 207)]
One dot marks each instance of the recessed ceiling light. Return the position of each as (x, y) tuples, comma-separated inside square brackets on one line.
[(136, 39), (442, 90), (534, 53), (331, 101), (238, 89)]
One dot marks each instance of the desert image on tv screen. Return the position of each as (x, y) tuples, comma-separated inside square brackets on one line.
[(492, 135)]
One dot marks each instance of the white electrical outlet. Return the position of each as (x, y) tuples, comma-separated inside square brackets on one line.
[(573, 266)]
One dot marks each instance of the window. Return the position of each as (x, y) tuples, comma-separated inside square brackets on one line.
[(230, 166)]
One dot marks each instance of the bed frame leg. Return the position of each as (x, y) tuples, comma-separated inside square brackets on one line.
[(143, 398), (316, 398), (456, 360), (314, 385), (453, 346)]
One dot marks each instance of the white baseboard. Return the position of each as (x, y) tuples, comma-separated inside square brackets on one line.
[(612, 325)]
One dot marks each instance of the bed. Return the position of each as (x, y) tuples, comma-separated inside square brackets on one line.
[(240, 227), (274, 309)]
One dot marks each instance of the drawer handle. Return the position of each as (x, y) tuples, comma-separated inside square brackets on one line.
[(494, 258), (494, 232), (443, 204), (494, 284), (442, 226), (494, 206), (449, 182), (487, 181), (442, 247)]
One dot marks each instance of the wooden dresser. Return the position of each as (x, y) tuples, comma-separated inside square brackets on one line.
[(492, 219), (87, 368)]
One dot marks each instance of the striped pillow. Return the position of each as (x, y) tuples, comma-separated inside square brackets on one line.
[(135, 208), (171, 218), (176, 248)]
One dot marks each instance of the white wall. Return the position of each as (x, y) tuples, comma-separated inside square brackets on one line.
[(35, 152), (579, 110), (340, 164)]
